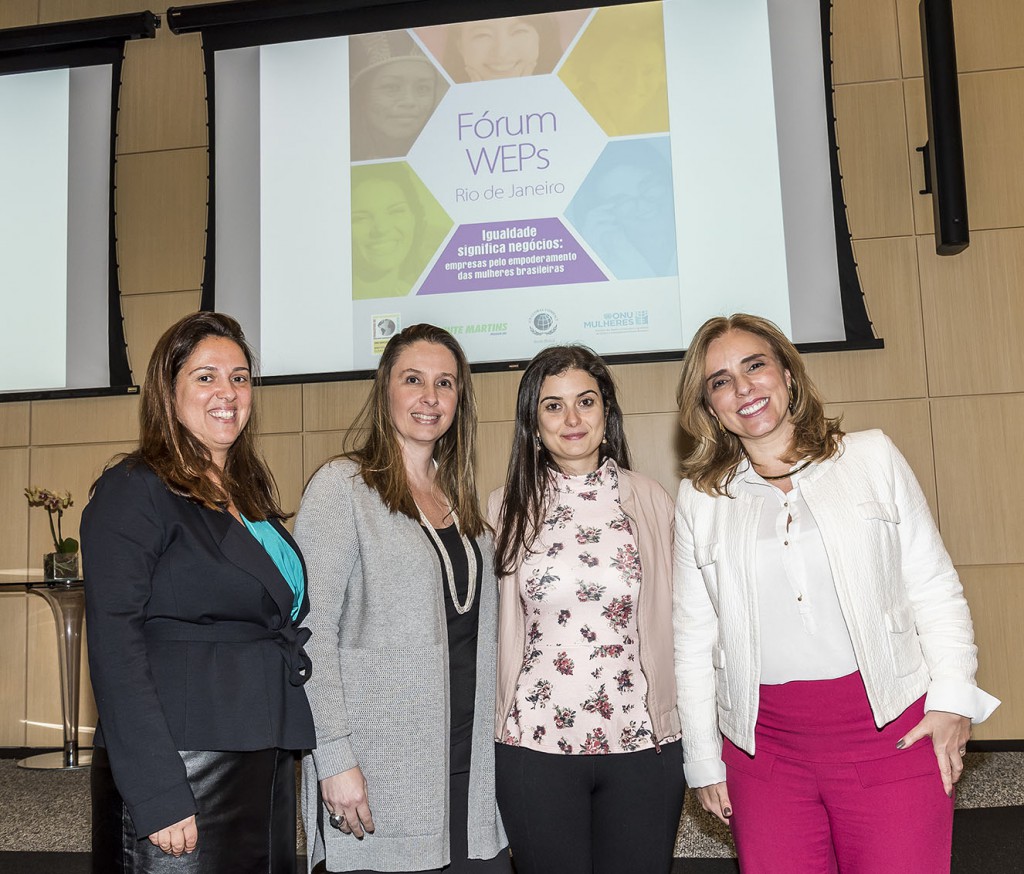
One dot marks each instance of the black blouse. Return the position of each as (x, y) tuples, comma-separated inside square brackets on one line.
[(462, 636)]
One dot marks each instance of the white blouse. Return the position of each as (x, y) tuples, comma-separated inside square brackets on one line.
[(803, 632)]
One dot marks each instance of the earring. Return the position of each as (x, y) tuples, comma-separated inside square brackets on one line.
[(721, 427), (604, 441), (792, 397)]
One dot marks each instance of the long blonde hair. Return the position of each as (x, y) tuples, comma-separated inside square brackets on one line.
[(716, 454), (373, 444)]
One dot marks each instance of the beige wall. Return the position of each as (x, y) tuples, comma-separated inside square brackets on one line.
[(948, 387)]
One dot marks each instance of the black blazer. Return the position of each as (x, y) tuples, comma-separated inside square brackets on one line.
[(191, 641)]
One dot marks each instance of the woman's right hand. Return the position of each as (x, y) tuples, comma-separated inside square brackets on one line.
[(345, 795), (715, 799), (178, 838)]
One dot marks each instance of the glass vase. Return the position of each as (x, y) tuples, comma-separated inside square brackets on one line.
[(60, 566)]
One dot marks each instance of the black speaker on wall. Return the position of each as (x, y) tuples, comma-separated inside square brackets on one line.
[(944, 151)]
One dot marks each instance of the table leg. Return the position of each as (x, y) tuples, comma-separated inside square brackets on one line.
[(68, 606)]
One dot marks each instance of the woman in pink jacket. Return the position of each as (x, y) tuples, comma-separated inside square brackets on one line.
[(588, 763)]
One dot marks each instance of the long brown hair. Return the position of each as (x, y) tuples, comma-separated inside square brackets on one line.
[(529, 467), (373, 444), (716, 454), (175, 454)]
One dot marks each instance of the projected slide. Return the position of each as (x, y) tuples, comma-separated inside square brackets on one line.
[(547, 181), (523, 181), (55, 151)]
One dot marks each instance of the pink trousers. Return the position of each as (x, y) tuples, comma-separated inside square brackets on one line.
[(828, 793)]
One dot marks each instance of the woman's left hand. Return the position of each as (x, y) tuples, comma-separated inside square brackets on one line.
[(949, 733)]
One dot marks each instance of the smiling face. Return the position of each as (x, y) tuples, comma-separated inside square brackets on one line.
[(213, 395), (399, 97), (423, 393), (383, 225), (748, 391), (571, 420), (503, 48)]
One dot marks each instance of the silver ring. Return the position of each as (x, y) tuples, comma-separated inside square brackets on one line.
[(337, 820), (963, 751)]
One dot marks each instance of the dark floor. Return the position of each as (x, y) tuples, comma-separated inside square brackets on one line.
[(44, 826)]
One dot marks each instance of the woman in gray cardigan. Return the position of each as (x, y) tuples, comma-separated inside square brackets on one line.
[(402, 613)]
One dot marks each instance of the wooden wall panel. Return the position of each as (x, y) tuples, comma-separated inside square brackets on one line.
[(163, 94), (979, 478), (280, 408), (71, 468), (993, 129), (496, 395), (19, 13), (494, 446), (161, 219), (332, 406), (865, 41), (283, 453), (317, 448), (909, 22), (889, 278), (14, 428), (14, 676), (102, 420), (42, 715), (68, 10), (988, 34), (973, 316), (996, 596), (908, 425), (872, 140), (14, 510), (657, 445), (648, 388), (146, 317)]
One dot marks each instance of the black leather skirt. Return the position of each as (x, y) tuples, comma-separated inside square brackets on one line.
[(246, 817)]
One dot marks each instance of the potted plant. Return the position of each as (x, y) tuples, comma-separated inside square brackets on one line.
[(62, 563)]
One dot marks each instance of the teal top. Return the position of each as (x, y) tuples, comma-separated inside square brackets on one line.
[(283, 555)]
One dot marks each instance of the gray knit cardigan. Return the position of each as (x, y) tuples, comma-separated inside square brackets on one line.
[(379, 686)]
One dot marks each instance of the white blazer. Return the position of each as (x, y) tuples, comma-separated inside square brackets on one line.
[(899, 593)]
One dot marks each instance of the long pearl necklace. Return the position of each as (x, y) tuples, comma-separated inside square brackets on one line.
[(447, 562)]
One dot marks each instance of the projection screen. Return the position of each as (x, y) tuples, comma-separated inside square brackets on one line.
[(612, 175)]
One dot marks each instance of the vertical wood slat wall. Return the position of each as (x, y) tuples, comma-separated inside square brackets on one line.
[(948, 387)]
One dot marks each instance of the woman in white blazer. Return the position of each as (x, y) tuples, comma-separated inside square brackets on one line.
[(825, 656)]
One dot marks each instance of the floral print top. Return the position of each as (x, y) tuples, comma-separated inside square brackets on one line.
[(581, 690)]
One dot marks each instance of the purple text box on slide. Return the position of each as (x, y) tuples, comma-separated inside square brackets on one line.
[(519, 254)]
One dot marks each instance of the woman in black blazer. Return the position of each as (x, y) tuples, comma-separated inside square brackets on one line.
[(194, 591)]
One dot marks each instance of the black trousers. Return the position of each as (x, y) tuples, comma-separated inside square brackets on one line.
[(459, 846), (591, 814), (246, 817)]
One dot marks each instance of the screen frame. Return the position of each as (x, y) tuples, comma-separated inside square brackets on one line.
[(266, 22), (65, 45)]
